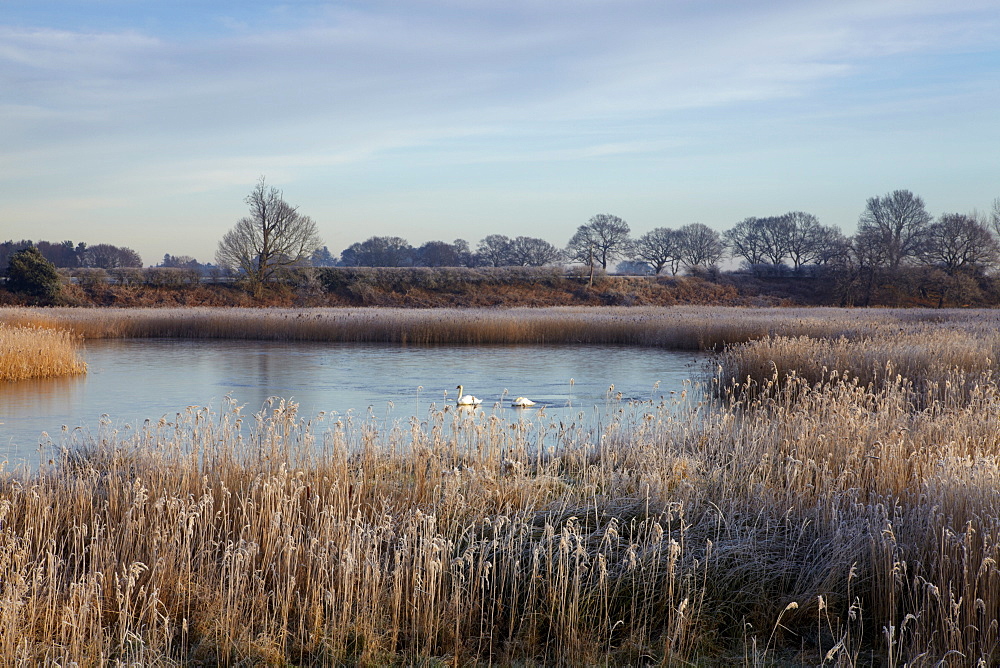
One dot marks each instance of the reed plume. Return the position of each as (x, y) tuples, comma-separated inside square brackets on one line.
[(32, 351)]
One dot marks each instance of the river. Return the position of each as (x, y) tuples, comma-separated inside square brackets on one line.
[(132, 380)]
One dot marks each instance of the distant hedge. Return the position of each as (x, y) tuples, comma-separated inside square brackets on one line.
[(337, 279)]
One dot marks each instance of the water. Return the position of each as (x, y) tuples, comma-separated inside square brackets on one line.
[(133, 380)]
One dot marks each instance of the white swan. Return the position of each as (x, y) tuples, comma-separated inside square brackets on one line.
[(466, 400), (522, 402)]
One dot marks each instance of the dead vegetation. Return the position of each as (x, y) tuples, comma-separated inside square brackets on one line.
[(30, 351), (826, 518)]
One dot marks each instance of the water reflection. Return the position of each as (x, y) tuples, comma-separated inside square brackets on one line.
[(134, 380), (40, 396)]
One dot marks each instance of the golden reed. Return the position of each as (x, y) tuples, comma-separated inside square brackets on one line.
[(823, 519), (678, 327), (28, 351)]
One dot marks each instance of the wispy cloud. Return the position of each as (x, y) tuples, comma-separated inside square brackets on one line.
[(217, 95), (431, 66)]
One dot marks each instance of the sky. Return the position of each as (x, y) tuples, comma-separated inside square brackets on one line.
[(145, 123)]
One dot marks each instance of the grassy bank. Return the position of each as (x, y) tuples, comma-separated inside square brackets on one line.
[(508, 287), (417, 287), (30, 351), (825, 518)]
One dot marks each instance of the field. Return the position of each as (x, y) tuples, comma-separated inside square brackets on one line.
[(833, 498)]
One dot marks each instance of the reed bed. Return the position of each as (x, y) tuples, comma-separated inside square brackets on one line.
[(681, 327), (836, 506), (931, 359), (31, 351), (827, 525)]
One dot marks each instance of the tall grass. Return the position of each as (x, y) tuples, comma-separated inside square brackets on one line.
[(28, 351), (931, 359), (828, 525), (706, 328), (826, 518)]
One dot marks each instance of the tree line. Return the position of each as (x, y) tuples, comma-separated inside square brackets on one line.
[(895, 234), (494, 250), (894, 230), (66, 254)]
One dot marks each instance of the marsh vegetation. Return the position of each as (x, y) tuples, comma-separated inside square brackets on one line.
[(678, 328), (31, 351), (833, 503)]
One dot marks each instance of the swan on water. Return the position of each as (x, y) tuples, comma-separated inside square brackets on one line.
[(466, 400), (522, 402)]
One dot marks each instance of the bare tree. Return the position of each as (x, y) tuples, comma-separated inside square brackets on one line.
[(442, 254), (796, 236), (464, 253), (379, 252), (602, 239), (831, 246), (776, 233), (532, 252), (701, 246), (995, 216), (660, 248), (746, 240), (494, 250), (808, 241), (862, 271), (274, 235), (107, 256), (894, 227), (959, 241)]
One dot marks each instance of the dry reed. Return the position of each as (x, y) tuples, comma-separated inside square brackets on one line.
[(825, 520), (679, 533), (679, 327), (30, 351), (932, 359)]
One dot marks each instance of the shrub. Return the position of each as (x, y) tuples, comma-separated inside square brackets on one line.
[(29, 273), (169, 277), (126, 275), (304, 281)]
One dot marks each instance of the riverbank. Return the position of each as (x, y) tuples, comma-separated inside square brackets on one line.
[(511, 287), (399, 287)]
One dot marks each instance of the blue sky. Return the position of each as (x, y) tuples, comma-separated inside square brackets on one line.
[(144, 123)]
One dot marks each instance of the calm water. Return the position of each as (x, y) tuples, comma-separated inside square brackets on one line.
[(133, 380)]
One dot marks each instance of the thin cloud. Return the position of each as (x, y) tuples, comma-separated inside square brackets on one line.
[(233, 92), (363, 67)]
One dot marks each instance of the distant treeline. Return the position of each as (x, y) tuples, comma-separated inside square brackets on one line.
[(66, 254), (899, 255)]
